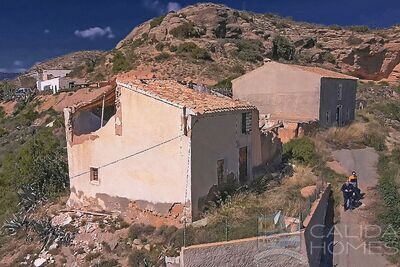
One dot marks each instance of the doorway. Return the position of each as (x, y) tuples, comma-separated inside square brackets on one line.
[(339, 115), (243, 164)]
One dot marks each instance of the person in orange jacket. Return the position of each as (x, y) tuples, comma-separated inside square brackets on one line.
[(353, 179)]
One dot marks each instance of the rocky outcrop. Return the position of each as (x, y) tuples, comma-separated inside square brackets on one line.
[(373, 54)]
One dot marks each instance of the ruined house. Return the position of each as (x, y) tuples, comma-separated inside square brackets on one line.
[(161, 145), (298, 98)]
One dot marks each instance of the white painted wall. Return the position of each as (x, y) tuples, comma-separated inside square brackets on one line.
[(157, 176), (53, 85)]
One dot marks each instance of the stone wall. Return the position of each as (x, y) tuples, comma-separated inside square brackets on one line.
[(314, 234), (278, 250)]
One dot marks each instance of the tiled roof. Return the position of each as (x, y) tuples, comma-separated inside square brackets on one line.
[(324, 72), (177, 93)]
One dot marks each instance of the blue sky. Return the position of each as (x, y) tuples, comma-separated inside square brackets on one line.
[(35, 30)]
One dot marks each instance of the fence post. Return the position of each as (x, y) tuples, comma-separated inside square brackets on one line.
[(226, 229)]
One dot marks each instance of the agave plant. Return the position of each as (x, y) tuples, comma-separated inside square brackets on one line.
[(50, 234), (30, 196), (12, 226)]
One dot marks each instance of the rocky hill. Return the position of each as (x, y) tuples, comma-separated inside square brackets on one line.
[(211, 42), (69, 61), (7, 75)]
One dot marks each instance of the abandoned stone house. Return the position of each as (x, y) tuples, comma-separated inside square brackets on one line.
[(159, 144), (298, 98)]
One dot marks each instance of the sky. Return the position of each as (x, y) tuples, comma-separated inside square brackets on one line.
[(35, 30)]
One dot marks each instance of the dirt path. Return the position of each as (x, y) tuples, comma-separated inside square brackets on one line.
[(349, 248)]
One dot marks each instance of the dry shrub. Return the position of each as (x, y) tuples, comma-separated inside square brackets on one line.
[(351, 136), (285, 196)]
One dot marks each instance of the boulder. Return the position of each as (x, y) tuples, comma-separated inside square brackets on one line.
[(39, 262)]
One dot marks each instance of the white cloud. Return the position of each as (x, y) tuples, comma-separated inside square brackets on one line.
[(18, 63), (95, 32), (160, 7), (173, 6), (46, 31)]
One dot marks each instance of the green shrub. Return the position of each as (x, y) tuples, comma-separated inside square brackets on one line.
[(6, 91), (160, 46), (281, 24), (390, 110), (162, 57), (156, 21), (249, 50), (335, 27), (359, 28), (192, 50), (283, 48), (238, 68), (2, 113), (107, 263), (246, 17), (329, 57), (185, 30), (3, 131), (140, 230), (353, 40), (173, 48), (225, 83), (302, 150), (40, 164), (120, 63), (388, 168)]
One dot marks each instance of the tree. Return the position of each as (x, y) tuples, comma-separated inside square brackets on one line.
[(283, 48)]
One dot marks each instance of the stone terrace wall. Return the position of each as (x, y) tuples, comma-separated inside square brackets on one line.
[(278, 250)]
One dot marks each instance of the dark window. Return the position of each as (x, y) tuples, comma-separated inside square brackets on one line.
[(94, 174), (340, 92), (243, 164), (220, 171), (246, 122)]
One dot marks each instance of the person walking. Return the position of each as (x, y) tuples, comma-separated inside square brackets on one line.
[(348, 191)]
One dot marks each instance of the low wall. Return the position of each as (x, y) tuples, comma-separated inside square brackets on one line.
[(314, 234), (277, 250), (302, 248)]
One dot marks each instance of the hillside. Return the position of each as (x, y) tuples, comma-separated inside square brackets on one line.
[(211, 42), (7, 75)]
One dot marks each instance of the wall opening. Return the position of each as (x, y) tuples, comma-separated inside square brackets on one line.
[(246, 123), (243, 164), (94, 174), (340, 92), (95, 115)]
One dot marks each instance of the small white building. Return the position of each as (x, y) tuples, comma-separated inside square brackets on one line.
[(59, 83)]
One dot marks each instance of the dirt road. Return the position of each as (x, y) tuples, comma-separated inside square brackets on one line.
[(349, 248)]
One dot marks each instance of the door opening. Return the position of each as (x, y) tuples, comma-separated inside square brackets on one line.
[(243, 164), (339, 115)]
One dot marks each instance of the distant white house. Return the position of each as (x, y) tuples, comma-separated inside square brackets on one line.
[(59, 83), (53, 80)]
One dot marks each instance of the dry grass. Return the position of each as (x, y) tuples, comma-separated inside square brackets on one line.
[(347, 137), (285, 196)]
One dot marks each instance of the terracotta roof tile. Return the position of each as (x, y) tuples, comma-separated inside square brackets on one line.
[(177, 93)]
